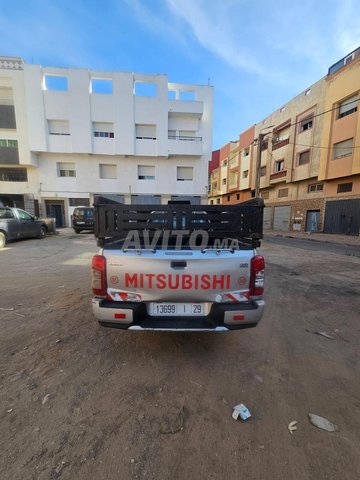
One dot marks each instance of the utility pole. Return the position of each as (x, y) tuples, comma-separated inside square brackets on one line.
[(260, 140), (258, 165)]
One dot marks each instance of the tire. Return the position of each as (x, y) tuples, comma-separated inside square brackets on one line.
[(2, 240), (43, 232), (76, 230)]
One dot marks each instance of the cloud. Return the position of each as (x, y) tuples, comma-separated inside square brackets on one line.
[(213, 30)]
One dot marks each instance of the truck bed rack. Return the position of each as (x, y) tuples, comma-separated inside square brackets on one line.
[(241, 222)]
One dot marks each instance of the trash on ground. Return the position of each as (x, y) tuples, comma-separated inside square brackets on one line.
[(292, 426), (241, 411), (45, 399), (7, 309), (9, 411), (322, 423), (326, 335)]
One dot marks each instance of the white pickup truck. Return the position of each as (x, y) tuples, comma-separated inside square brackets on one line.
[(178, 266)]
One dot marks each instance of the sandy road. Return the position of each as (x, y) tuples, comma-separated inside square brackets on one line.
[(81, 402)]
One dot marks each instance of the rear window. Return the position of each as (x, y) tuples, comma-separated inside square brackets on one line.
[(6, 213), (84, 212)]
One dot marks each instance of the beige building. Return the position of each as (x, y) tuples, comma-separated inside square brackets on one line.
[(309, 160)]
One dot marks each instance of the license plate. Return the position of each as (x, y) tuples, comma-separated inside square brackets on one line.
[(81, 223), (180, 309)]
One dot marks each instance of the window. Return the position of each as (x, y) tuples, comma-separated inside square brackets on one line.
[(66, 169), (8, 143), (225, 162), (146, 172), (315, 187), (283, 192), (348, 106), (214, 186), (246, 152), (7, 114), (74, 202), (238, 196), (6, 213), (264, 195), (211, 202), (145, 132), (279, 166), (223, 181), (306, 124), (228, 198), (24, 215), (101, 85), (245, 174), (343, 149), (262, 171), (13, 175), (304, 158), (188, 135), (59, 127), (344, 187), (218, 201), (184, 174), (103, 130), (145, 89), (55, 82), (107, 171), (172, 134)]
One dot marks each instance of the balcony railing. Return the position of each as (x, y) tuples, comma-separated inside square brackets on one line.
[(281, 143), (185, 138), (276, 175)]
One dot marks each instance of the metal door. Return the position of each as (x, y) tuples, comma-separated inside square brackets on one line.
[(267, 217), (282, 218), (342, 217), (313, 221)]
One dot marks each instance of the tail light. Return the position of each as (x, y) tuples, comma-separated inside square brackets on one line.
[(98, 281), (257, 276)]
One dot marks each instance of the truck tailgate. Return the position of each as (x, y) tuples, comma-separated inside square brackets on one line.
[(186, 276)]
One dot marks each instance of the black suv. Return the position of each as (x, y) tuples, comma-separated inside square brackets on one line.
[(83, 219)]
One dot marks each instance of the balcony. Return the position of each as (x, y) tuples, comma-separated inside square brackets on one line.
[(186, 107), (280, 143), (278, 176), (184, 145)]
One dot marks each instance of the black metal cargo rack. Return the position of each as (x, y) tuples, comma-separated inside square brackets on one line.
[(241, 222)]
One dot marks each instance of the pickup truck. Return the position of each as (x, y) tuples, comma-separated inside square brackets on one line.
[(16, 224), (178, 266)]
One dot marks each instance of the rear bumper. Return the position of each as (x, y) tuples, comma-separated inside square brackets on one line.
[(134, 316)]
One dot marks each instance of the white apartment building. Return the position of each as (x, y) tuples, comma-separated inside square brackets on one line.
[(67, 134)]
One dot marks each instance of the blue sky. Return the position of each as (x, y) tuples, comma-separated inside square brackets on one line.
[(257, 54)]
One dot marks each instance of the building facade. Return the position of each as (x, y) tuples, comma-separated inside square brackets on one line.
[(309, 157), (69, 134)]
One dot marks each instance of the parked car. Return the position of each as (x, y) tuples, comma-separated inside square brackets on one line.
[(83, 219), (15, 223)]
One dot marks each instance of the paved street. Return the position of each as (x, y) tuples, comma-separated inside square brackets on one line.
[(81, 402)]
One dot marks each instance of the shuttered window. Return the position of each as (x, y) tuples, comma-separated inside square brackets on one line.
[(59, 127), (184, 174), (107, 171), (343, 149), (146, 172), (147, 132), (103, 130), (348, 106), (66, 169)]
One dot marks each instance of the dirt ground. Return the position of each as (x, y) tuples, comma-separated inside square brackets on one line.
[(78, 401)]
